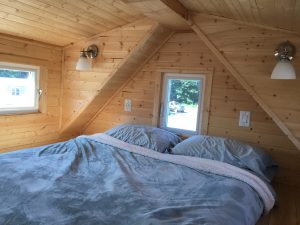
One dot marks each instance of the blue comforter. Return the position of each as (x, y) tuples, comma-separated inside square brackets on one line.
[(83, 181)]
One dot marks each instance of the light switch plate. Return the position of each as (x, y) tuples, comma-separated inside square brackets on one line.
[(127, 105), (244, 119)]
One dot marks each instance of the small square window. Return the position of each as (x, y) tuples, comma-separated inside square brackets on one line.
[(18, 88), (182, 97)]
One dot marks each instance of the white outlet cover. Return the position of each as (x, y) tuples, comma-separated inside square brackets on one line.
[(127, 105), (244, 119)]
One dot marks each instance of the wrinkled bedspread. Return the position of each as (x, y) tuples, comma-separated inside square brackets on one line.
[(83, 181)]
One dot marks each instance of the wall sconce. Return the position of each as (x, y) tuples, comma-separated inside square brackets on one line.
[(284, 69), (83, 63)]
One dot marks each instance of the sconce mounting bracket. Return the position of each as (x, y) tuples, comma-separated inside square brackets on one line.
[(92, 51), (285, 51)]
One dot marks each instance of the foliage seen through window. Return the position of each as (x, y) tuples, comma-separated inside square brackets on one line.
[(185, 91), (14, 74)]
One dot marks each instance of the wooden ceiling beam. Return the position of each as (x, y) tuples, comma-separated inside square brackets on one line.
[(170, 13), (119, 77), (177, 7), (177, 10), (244, 83), (251, 24)]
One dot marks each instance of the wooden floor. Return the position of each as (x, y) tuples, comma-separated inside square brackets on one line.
[(287, 212)]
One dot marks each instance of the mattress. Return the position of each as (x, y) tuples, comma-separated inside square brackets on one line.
[(101, 180)]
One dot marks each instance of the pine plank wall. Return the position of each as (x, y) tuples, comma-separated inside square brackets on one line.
[(114, 46), (21, 131), (183, 50)]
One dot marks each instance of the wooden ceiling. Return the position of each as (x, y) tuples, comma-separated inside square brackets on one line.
[(284, 14), (61, 22)]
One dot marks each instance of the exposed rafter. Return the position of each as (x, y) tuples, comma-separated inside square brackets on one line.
[(192, 14), (176, 8), (132, 63), (170, 13), (243, 82)]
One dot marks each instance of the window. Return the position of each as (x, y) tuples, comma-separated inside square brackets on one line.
[(182, 102), (19, 88)]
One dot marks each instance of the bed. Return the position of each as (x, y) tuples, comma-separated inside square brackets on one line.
[(124, 178)]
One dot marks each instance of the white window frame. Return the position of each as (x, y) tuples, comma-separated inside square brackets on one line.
[(24, 67), (165, 101)]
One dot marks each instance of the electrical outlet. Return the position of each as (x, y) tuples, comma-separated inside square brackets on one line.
[(244, 119), (127, 105)]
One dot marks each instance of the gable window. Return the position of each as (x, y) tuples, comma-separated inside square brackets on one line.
[(19, 88), (183, 104)]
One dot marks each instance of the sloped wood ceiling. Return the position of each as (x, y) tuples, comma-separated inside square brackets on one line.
[(283, 14), (123, 51), (250, 53), (62, 22), (232, 44), (167, 17), (185, 50)]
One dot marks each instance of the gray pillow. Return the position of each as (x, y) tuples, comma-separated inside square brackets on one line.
[(229, 151), (145, 136)]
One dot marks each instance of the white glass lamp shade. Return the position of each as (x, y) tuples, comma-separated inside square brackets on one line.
[(83, 64), (284, 70)]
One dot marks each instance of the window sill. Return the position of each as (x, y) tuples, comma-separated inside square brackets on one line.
[(19, 113)]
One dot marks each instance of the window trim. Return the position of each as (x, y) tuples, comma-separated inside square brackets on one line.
[(165, 100), (24, 110), (205, 109)]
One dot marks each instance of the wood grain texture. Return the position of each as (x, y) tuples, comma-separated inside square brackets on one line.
[(163, 11), (239, 76), (287, 209), (248, 52), (19, 131), (62, 22), (282, 14), (194, 21), (228, 97), (78, 86), (146, 47)]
